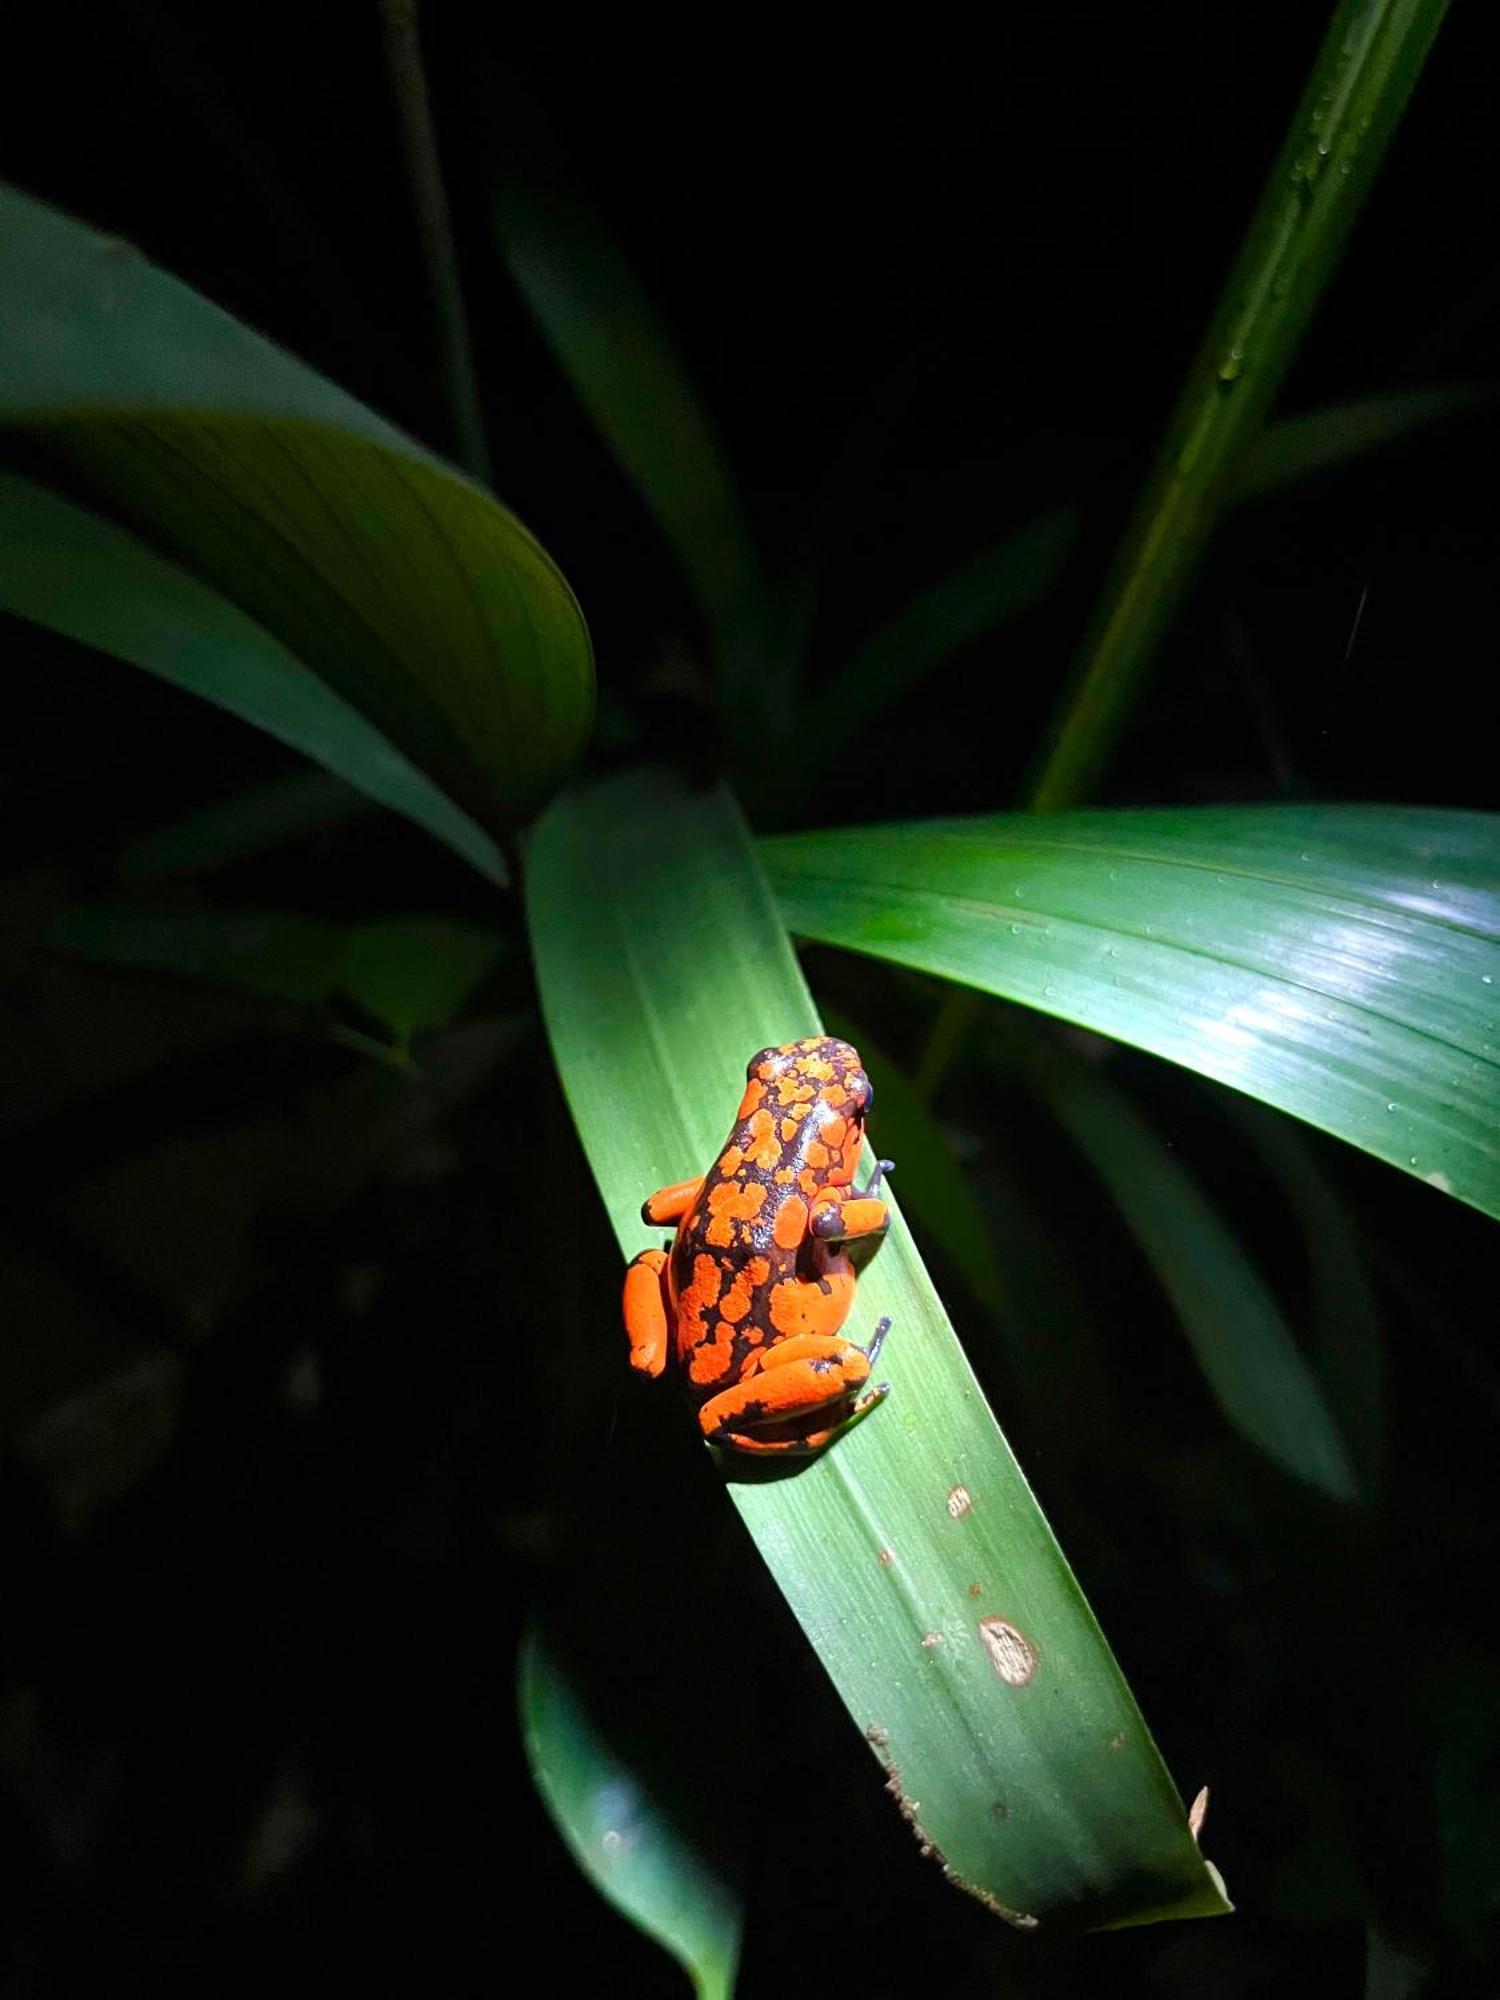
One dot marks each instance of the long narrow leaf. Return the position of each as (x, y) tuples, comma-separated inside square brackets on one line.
[(251, 823), (1348, 1345), (1342, 963), (407, 972), (983, 593), (971, 600), (912, 1552), (1235, 1328), (624, 369), (622, 1837), (408, 589), (1370, 59), (1313, 441), (71, 570)]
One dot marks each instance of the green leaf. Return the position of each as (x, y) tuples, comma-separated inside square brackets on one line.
[(1359, 86), (1023, 570), (409, 590), (621, 1837), (913, 1551), (605, 334), (1314, 441), (1339, 962), (415, 972), (1236, 1330), (972, 599), (73, 571), (252, 823), (1348, 1342), (407, 972)]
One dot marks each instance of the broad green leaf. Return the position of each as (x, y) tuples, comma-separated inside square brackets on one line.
[(1339, 962), (71, 570), (413, 593), (606, 336), (252, 823), (912, 1552), (407, 972), (1239, 1338), (1314, 441), (622, 1837), (1369, 62)]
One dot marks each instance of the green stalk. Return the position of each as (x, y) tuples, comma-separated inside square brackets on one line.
[(1354, 98), (403, 48)]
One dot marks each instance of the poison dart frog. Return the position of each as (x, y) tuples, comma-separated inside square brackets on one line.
[(757, 1281)]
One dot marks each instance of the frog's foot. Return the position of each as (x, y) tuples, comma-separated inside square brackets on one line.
[(801, 1380)]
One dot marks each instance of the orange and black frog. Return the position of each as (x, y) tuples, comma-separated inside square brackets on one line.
[(757, 1282)]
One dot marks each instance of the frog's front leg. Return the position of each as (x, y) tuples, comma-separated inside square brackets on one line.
[(670, 1204), (796, 1378), (844, 1218), (648, 1312)]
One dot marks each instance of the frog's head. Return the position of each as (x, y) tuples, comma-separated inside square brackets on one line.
[(823, 1070)]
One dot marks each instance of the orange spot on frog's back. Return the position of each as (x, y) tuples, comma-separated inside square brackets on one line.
[(762, 1147), (730, 1202), (755, 1094), (737, 1300), (711, 1358), (791, 1223)]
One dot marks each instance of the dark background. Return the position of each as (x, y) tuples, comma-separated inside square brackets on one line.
[(309, 1381)]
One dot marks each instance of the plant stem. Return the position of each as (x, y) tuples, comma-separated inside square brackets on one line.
[(1358, 88), (1354, 98), (403, 49)]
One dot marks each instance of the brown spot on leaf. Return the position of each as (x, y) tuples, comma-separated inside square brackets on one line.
[(1012, 1654), (975, 1590), (876, 1735), (931, 1639), (960, 1500), (1198, 1812), (886, 1557)]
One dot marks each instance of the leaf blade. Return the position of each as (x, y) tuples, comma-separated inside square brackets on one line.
[(618, 1834), (1233, 1325), (661, 965), (1342, 963), (606, 337), (418, 598), (71, 570), (1358, 88)]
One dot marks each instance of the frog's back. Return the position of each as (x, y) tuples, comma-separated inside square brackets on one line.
[(743, 1253)]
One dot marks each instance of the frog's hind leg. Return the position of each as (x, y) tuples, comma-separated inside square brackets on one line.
[(807, 1446), (799, 1380), (648, 1318)]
